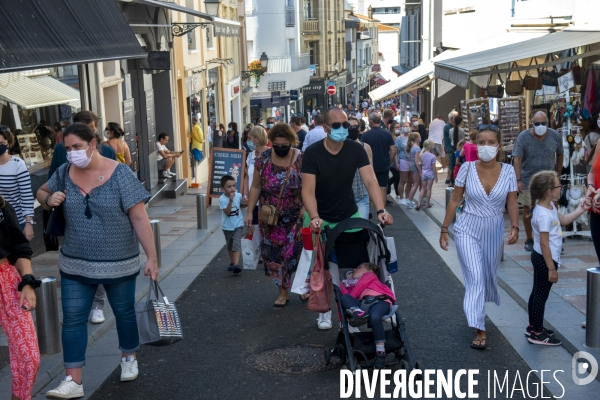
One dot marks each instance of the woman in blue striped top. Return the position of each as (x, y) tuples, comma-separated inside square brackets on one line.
[(15, 183)]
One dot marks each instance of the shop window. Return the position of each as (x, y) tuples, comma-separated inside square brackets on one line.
[(192, 45), (109, 69), (210, 40)]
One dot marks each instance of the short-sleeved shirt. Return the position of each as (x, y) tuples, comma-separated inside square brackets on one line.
[(401, 145), (159, 148), (447, 144), (544, 220), (428, 162), (380, 141), (235, 219), (537, 155), (301, 135), (436, 131), (113, 254), (412, 156), (334, 175)]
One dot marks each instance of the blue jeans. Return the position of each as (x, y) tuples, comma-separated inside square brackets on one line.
[(363, 206), (77, 298), (376, 312)]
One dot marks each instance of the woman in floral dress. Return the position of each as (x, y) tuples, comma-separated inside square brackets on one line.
[(282, 243)]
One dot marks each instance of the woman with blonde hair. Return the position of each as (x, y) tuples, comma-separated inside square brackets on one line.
[(428, 173), (414, 151)]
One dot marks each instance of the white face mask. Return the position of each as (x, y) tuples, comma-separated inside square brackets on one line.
[(416, 123), (487, 153), (406, 129), (79, 158), (397, 131), (539, 130), (106, 134)]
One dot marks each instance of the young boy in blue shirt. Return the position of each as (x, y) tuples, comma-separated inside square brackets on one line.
[(232, 221)]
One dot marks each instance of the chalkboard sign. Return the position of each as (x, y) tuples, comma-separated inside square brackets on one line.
[(225, 162)]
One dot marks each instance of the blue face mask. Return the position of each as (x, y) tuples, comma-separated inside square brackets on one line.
[(251, 145), (269, 126), (339, 135)]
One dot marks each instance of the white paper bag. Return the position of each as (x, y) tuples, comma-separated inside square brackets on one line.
[(301, 283), (251, 250), (393, 265)]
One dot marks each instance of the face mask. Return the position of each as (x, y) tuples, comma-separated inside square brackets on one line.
[(79, 158), (63, 129), (487, 153), (3, 148), (539, 130), (416, 123), (105, 133), (282, 151), (229, 129), (406, 129), (339, 135), (251, 145), (397, 131), (353, 133), (269, 126)]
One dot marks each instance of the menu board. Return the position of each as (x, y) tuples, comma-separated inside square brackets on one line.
[(130, 136), (225, 162), (31, 151)]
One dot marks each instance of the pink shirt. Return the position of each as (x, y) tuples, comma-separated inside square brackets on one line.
[(470, 152)]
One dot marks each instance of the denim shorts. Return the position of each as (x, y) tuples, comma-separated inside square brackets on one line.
[(413, 168), (427, 177)]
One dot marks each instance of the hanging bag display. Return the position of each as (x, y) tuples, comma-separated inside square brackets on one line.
[(269, 214), (514, 87), (549, 77), (496, 91), (533, 82), (158, 321)]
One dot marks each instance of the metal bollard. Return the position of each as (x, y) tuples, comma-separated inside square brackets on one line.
[(592, 315), (46, 316), (155, 224), (201, 215), (449, 193)]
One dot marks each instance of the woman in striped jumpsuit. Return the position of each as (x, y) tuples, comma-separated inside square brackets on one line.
[(488, 185)]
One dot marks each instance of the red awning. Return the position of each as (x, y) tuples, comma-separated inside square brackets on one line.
[(381, 81)]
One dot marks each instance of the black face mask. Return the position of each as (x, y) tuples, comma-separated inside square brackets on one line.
[(353, 133), (282, 151)]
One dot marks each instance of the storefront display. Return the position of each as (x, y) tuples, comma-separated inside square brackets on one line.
[(511, 118), (474, 112)]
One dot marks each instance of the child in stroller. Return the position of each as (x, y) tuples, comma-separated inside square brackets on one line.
[(366, 299)]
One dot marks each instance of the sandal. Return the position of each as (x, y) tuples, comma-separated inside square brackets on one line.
[(429, 205), (479, 344), (304, 297), (281, 302)]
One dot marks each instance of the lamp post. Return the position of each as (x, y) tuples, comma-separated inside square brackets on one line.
[(255, 70), (212, 7), (264, 60)]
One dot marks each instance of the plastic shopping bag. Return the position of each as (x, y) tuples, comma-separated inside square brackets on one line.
[(251, 249), (301, 283), (392, 267)]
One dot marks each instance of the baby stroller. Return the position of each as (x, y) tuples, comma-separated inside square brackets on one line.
[(357, 350)]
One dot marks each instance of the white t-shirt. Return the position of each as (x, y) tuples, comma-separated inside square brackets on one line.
[(545, 220), (436, 130), (159, 147)]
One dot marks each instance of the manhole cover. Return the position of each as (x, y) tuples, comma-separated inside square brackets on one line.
[(163, 210), (296, 360)]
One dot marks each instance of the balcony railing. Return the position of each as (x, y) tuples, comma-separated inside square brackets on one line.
[(310, 25), (282, 64), (290, 16)]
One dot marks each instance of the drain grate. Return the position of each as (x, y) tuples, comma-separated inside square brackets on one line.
[(163, 210), (294, 360)]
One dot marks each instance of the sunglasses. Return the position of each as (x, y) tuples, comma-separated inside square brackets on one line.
[(485, 127), (540, 123), (337, 125), (281, 146)]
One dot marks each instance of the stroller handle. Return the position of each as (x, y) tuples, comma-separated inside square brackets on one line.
[(349, 224)]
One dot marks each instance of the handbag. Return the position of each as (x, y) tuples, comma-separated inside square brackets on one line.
[(56, 219), (269, 214), (532, 82), (514, 87), (496, 91), (320, 281), (463, 201), (158, 321), (549, 78), (301, 282), (251, 249)]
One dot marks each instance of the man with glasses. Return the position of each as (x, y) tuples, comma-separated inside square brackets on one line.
[(328, 170), (384, 152), (536, 149)]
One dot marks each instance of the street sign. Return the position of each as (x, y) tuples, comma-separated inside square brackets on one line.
[(331, 90), (293, 95)]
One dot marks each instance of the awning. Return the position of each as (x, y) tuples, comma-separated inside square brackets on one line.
[(29, 93), (379, 80), (417, 76), (57, 85), (458, 70), (47, 33), (401, 69), (222, 27)]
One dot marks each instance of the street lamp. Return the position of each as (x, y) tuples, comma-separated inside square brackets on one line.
[(264, 60), (212, 7), (336, 65)]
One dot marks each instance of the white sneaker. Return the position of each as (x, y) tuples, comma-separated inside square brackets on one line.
[(165, 174), (97, 316), (402, 202), (172, 173), (409, 204), (444, 170), (324, 321), (129, 369), (67, 389)]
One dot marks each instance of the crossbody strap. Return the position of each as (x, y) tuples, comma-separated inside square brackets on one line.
[(287, 176)]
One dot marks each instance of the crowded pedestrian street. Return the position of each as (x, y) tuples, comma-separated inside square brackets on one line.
[(296, 199)]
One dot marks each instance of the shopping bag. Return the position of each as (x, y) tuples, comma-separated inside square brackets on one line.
[(320, 281), (392, 267), (251, 249), (157, 319), (301, 283)]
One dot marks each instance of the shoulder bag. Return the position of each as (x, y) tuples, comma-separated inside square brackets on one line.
[(514, 87), (269, 214), (496, 91), (56, 219), (461, 205)]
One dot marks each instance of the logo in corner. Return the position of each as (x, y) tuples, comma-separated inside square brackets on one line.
[(582, 361)]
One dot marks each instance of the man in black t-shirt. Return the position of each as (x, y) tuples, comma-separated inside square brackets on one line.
[(296, 124)]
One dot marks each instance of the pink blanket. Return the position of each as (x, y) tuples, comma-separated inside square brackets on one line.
[(368, 281)]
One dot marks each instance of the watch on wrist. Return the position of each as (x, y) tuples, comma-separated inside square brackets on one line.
[(30, 221), (382, 211)]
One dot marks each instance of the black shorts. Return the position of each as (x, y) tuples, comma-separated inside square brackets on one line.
[(382, 178)]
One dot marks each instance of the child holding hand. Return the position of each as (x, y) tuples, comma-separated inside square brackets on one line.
[(232, 221), (546, 222), (362, 289)]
